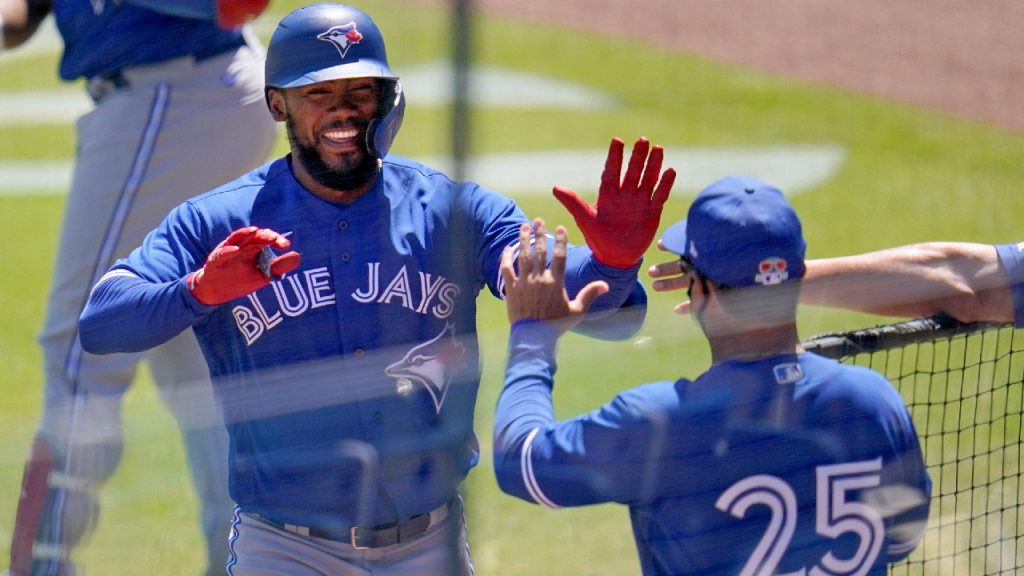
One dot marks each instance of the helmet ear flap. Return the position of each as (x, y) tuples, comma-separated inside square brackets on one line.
[(382, 130)]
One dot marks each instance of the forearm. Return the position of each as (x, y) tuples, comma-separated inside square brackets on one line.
[(126, 313), (19, 20), (962, 280), (538, 459), (525, 405), (620, 312)]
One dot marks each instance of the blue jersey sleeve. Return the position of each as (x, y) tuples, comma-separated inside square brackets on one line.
[(620, 312), (1011, 257), (906, 491), (128, 314), (590, 459), (906, 486), (142, 301), (874, 421)]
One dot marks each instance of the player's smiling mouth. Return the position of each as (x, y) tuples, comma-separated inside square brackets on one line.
[(340, 136)]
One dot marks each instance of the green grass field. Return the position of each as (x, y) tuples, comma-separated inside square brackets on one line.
[(908, 175)]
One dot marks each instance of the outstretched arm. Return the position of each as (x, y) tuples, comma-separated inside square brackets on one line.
[(145, 300), (968, 281), (618, 228), (536, 458), (963, 280)]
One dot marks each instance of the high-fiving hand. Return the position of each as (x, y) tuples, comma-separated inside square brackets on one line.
[(671, 276), (538, 292), (620, 226), (233, 269)]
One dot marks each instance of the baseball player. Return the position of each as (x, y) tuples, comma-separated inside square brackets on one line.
[(774, 461), (178, 93), (967, 281), (333, 293)]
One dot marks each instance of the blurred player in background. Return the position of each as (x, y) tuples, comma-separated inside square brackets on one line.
[(774, 461), (178, 93), (347, 369), (967, 281)]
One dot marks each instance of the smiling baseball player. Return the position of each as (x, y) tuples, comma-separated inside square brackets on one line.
[(333, 292)]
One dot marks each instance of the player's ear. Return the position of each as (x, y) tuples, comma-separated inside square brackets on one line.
[(277, 105)]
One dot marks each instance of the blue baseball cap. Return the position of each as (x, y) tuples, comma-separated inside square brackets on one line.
[(740, 232)]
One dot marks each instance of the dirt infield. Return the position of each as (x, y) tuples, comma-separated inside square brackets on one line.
[(964, 58)]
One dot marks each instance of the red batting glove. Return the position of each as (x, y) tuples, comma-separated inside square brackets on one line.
[(232, 269), (233, 13), (622, 223)]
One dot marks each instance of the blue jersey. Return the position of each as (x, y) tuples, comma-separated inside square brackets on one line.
[(348, 386), (1011, 257), (768, 467), (102, 36)]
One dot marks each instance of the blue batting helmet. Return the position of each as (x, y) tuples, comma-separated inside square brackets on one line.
[(322, 42)]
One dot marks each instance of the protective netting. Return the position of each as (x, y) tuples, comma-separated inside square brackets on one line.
[(962, 384)]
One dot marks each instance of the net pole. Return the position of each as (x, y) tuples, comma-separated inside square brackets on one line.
[(462, 36)]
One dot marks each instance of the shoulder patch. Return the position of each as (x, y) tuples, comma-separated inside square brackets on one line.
[(787, 373)]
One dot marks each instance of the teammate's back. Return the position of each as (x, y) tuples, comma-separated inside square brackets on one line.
[(784, 432), (774, 461)]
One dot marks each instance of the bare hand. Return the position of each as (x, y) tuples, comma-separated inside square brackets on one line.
[(538, 292), (670, 276)]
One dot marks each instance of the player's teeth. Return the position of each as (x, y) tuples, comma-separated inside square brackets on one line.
[(340, 134)]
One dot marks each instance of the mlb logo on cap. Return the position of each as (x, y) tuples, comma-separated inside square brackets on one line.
[(740, 232)]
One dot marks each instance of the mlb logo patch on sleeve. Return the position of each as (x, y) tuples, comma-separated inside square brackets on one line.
[(787, 373)]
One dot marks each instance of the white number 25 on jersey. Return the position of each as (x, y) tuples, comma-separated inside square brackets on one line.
[(834, 516)]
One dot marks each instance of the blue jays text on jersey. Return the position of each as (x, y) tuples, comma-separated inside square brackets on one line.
[(347, 386), (296, 294), (759, 467)]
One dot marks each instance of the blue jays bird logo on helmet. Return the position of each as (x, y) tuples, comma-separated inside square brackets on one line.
[(431, 365), (342, 37), (772, 271)]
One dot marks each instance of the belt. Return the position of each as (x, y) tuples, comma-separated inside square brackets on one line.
[(101, 85), (363, 537)]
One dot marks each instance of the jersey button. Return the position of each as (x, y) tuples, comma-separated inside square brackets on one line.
[(345, 256), (359, 352), (343, 225), (378, 418)]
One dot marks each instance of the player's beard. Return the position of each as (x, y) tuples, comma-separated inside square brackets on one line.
[(351, 176)]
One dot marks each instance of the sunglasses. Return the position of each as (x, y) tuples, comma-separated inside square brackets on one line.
[(686, 266)]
